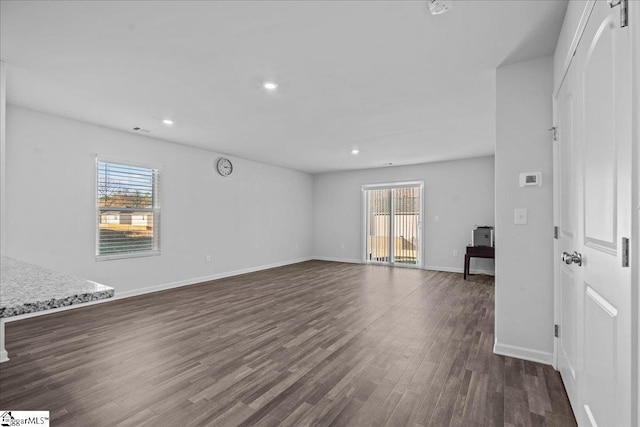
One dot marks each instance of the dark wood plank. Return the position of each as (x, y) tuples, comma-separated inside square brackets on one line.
[(316, 343)]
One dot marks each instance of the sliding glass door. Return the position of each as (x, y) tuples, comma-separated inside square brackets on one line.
[(392, 223)]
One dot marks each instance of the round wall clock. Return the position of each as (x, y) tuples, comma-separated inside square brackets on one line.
[(224, 167)]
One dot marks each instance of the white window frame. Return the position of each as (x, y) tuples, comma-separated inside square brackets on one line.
[(155, 209)]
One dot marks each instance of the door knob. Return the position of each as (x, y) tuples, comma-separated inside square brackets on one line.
[(574, 258)]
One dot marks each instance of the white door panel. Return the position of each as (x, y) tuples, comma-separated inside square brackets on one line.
[(568, 320), (566, 181), (569, 294), (594, 214), (605, 146), (600, 358), (600, 158)]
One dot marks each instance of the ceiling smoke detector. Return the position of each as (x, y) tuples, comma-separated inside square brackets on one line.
[(438, 7)]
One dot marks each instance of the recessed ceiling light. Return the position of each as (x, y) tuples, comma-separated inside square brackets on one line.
[(167, 122), (271, 86), (355, 151)]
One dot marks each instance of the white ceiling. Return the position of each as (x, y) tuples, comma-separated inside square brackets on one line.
[(401, 85)]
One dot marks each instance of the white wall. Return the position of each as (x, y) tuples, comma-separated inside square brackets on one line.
[(260, 216), (459, 192), (524, 253)]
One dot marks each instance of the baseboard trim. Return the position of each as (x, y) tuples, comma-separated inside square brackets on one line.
[(523, 353), (458, 270), (331, 259), (196, 280), (158, 288), (445, 269), (429, 267)]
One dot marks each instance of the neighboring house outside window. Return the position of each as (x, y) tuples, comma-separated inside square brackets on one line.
[(128, 211)]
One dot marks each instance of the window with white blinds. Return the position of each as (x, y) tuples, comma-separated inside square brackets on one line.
[(128, 211)]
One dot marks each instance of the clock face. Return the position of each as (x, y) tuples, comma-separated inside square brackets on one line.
[(225, 167)]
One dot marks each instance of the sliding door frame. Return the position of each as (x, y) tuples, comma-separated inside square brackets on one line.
[(365, 222)]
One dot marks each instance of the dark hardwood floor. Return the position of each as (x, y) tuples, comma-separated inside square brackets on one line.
[(315, 343)]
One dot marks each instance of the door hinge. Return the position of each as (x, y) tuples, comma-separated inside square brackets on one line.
[(554, 132), (555, 232), (624, 11), (625, 252), (556, 331)]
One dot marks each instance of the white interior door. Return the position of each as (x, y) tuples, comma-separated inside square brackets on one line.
[(604, 147), (568, 294), (594, 347)]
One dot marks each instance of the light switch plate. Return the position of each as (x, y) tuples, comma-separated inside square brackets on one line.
[(520, 216)]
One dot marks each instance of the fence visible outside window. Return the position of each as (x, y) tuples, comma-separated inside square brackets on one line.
[(392, 223), (128, 211)]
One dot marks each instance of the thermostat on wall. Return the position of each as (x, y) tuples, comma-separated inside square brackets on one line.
[(530, 179)]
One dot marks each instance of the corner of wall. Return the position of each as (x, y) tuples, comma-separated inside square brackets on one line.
[(524, 264)]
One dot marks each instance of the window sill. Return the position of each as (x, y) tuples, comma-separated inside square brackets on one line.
[(127, 255)]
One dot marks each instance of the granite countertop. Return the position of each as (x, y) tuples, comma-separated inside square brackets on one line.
[(26, 288)]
